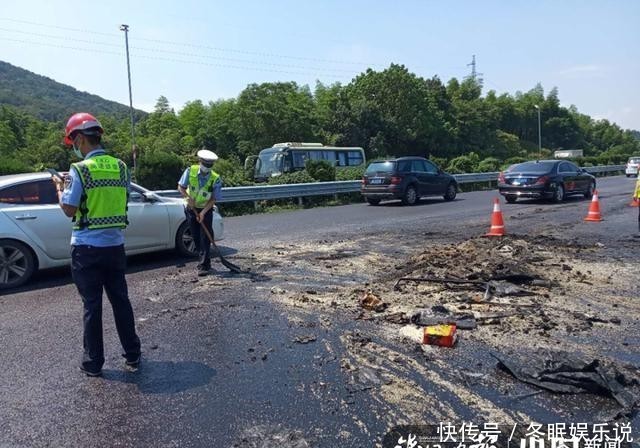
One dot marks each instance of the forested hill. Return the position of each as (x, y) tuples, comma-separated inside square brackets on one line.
[(391, 112), (49, 100)]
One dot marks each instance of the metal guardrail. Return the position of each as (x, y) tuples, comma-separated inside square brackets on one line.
[(265, 192), (605, 168)]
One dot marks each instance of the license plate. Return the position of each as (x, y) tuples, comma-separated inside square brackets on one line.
[(376, 181)]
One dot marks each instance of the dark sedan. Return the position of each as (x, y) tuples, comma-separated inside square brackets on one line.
[(407, 179), (545, 179)]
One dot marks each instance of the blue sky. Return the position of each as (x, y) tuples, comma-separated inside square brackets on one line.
[(192, 49)]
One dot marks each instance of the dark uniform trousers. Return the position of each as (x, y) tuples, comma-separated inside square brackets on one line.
[(94, 269), (203, 246)]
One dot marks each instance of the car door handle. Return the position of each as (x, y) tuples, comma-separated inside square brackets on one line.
[(25, 217)]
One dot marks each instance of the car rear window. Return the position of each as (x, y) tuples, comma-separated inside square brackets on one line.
[(381, 167), (39, 192), (531, 167)]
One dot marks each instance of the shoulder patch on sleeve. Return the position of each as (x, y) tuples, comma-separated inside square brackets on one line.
[(68, 182)]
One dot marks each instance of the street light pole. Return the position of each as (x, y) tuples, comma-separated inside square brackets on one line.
[(539, 132), (125, 28)]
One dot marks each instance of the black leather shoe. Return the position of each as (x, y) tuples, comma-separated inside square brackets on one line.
[(91, 373)]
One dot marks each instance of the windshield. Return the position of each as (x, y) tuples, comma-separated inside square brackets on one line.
[(269, 164), (532, 167), (381, 167), (634, 160)]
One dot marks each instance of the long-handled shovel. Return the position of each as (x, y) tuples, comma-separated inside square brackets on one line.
[(226, 263)]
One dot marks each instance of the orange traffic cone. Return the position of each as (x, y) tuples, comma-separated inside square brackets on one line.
[(594, 209), (497, 224)]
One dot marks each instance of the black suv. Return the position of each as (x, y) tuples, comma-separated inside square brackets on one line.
[(408, 179)]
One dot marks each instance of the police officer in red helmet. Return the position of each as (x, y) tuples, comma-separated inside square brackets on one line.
[(95, 196)]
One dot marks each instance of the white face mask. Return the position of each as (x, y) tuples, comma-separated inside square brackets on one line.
[(204, 169)]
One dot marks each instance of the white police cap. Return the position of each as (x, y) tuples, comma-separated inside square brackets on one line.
[(207, 156)]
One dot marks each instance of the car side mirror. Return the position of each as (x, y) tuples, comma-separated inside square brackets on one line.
[(150, 197)]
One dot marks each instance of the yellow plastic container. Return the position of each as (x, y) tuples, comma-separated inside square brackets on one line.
[(441, 335)]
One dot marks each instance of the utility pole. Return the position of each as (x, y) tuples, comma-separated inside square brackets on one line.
[(539, 132), (125, 28)]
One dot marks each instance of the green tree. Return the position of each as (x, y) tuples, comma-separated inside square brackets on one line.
[(13, 166), (488, 165), (464, 164), (473, 125), (8, 140), (231, 172), (352, 173), (297, 177), (327, 102), (387, 112), (193, 121), (160, 170), (220, 128), (270, 113), (321, 170)]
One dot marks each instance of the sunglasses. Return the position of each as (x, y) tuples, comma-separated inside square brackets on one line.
[(207, 164)]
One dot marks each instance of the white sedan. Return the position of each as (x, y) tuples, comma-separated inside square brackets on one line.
[(35, 233)]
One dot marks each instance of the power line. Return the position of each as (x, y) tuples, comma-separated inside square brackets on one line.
[(179, 53), (89, 50), (236, 66), (290, 31), (66, 47), (52, 36), (493, 84), (25, 22), (213, 48), (186, 44), (257, 53)]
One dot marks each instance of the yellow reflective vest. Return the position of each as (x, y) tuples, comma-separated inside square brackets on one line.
[(104, 201), (200, 195)]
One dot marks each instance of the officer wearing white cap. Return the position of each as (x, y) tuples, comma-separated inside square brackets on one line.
[(201, 188)]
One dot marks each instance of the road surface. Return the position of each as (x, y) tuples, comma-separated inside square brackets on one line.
[(226, 365)]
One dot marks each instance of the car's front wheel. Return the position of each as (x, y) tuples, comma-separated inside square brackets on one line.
[(372, 201), (184, 241), (451, 192), (511, 198), (410, 196), (17, 264)]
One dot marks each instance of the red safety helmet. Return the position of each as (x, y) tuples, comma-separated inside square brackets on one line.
[(83, 122)]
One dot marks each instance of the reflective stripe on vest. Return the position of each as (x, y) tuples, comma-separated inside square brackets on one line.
[(104, 201), (200, 195)]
